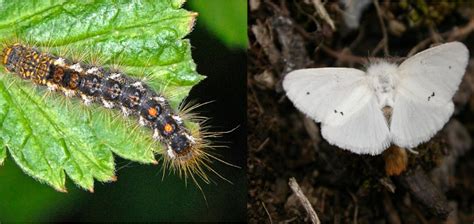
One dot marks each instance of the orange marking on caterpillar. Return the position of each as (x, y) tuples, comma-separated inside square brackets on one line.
[(168, 128), (152, 112), (186, 150)]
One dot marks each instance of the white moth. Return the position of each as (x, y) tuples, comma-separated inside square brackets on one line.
[(349, 102)]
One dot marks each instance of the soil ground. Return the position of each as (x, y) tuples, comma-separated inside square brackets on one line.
[(435, 186)]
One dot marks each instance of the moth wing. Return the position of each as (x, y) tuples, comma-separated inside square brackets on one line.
[(340, 98), (317, 92), (423, 99)]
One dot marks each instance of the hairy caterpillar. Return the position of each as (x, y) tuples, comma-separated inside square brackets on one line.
[(114, 89)]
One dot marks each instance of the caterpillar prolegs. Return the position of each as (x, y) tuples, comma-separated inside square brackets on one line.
[(113, 89)]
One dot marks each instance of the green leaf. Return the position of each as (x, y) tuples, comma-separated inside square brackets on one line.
[(225, 19), (50, 136), (3, 153)]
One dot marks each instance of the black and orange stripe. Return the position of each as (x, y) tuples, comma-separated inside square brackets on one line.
[(99, 84)]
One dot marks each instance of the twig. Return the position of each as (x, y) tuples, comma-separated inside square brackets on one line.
[(452, 35), (260, 147), (311, 17), (419, 215), (304, 200), (392, 214), (356, 207), (360, 37), (268, 213), (264, 38), (342, 57), (388, 184), (384, 42), (260, 107), (459, 33), (422, 44), (435, 36), (290, 220), (323, 13)]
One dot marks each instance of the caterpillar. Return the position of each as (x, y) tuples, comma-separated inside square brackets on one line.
[(115, 89)]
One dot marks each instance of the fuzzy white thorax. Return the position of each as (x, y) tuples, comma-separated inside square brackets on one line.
[(383, 76)]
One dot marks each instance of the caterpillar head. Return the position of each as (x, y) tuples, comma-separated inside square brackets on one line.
[(180, 145)]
